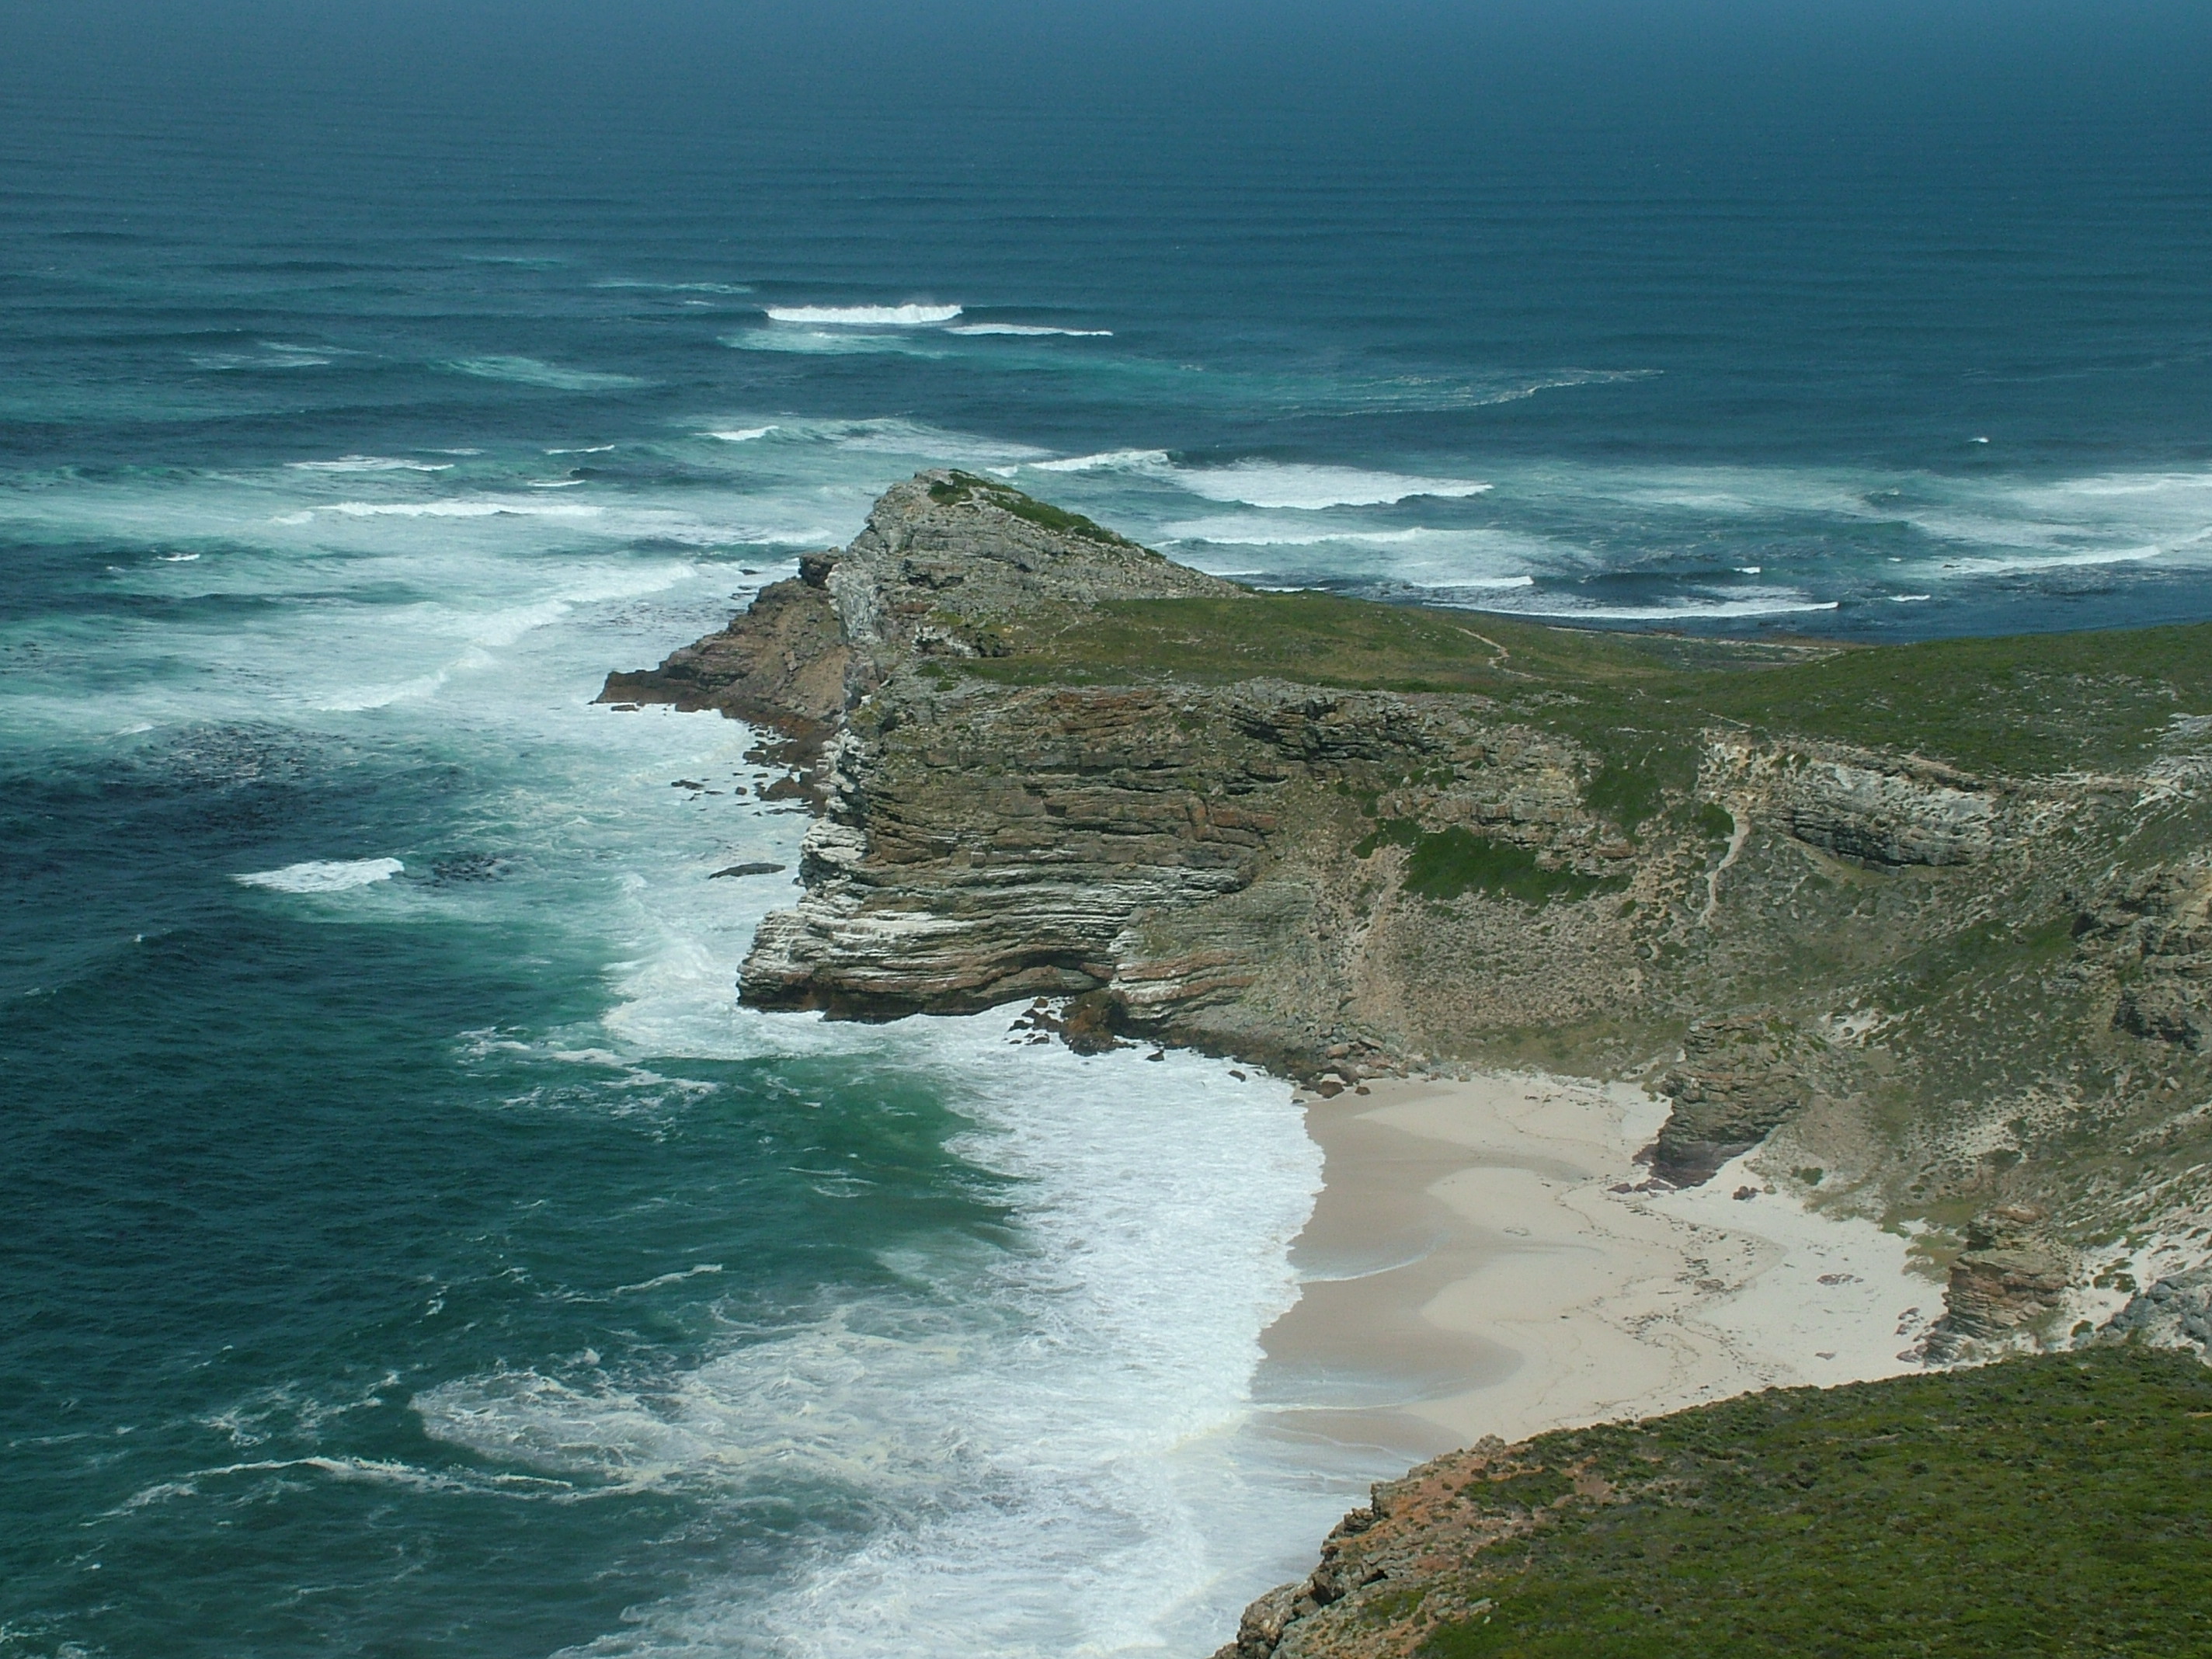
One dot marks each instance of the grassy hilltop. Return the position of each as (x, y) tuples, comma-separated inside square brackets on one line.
[(2048, 1506), (2021, 705)]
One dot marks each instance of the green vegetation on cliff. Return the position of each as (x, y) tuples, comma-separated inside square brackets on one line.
[(2053, 1505), (2023, 705), (1453, 860)]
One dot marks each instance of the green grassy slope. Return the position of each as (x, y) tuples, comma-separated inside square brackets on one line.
[(2023, 705), (2047, 1506)]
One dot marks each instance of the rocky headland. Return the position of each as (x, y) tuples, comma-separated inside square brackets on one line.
[(1928, 926)]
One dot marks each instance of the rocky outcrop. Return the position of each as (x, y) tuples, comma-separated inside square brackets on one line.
[(2175, 1312), (781, 664), (946, 563), (2010, 1278), (1740, 1076), (1195, 853), (2155, 927), (1416, 1532), (1886, 810)]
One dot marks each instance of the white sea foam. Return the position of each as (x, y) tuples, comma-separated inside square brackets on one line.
[(677, 288), (2024, 563), (370, 464), (530, 371), (906, 316), (480, 507), (275, 356), (742, 435), (1111, 460), (1243, 531), (1051, 1432), (1312, 489), (367, 1471), (594, 449), (179, 558), (1672, 610), (323, 877), (702, 1269), (1031, 330), (838, 342)]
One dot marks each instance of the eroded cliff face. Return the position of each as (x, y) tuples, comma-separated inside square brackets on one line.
[(1215, 861), (1925, 992)]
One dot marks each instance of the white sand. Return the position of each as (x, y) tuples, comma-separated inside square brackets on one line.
[(1468, 1271)]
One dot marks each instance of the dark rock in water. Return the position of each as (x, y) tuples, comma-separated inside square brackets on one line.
[(468, 866), (747, 870), (782, 665), (2173, 1312), (1088, 1025)]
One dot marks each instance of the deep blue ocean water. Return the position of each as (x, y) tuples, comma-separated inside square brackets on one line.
[(410, 1247)]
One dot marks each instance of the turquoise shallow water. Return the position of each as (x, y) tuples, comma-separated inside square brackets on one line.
[(412, 1249)]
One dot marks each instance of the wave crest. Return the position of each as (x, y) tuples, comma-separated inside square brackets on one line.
[(319, 876), (1032, 331), (906, 316), (1311, 488)]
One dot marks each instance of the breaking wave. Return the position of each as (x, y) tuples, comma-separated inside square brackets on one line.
[(370, 464), (334, 876), (1312, 489), (1111, 460), (529, 371), (906, 316), (1031, 330)]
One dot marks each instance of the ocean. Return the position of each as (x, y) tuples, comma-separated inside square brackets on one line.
[(412, 1248)]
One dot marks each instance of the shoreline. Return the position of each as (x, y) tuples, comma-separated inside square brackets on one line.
[(1469, 1270)]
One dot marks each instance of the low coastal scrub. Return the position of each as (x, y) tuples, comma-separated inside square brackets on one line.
[(2052, 1505), (2021, 706), (1024, 505), (1453, 860)]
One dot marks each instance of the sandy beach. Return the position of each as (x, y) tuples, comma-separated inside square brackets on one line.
[(1470, 1270)]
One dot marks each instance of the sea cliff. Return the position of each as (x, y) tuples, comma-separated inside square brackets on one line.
[(1931, 922), (1929, 926)]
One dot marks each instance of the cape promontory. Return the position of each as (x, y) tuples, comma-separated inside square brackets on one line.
[(1929, 922)]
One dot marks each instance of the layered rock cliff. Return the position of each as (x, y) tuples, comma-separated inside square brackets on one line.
[(1947, 983)]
